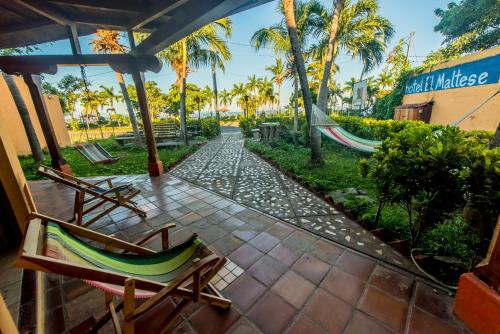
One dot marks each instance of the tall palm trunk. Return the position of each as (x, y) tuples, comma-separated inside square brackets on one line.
[(330, 56), (182, 89), (301, 70), (130, 109), (35, 147), (216, 98), (295, 102)]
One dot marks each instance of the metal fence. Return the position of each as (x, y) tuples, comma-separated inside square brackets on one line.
[(82, 135)]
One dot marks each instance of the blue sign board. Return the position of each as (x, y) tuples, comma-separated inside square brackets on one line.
[(480, 72)]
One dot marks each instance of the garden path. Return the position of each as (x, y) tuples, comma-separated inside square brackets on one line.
[(226, 167)]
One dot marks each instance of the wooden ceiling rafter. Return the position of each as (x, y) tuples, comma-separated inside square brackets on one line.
[(123, 63)]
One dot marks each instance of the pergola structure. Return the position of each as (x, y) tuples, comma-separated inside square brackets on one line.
[(28, 22)]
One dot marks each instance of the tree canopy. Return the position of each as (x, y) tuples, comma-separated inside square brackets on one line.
[(479, 19)]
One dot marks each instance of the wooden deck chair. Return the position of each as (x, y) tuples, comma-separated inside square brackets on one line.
[(96, 154), (126, 270), (90, 196)]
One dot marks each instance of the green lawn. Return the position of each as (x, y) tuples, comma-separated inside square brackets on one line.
[(135, 161)]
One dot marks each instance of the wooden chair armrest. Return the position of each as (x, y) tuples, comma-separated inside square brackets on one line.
[(108, 180), (164, 236), (197, 267)]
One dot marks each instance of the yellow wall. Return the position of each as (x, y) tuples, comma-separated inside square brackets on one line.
[(450, 105), (12, 177), (14, 126)]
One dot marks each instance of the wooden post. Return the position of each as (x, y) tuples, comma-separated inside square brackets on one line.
[(57, 160), (155, 166)]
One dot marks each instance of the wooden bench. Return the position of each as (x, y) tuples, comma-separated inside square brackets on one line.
[(166, 131)]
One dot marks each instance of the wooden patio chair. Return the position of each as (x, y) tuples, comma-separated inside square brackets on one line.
[(96, 154), (90, 196), (127, 270)]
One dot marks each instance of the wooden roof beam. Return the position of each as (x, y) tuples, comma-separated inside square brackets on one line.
[(44, 9), (108, 5), (123, 63), (157, 10), (202, 13)]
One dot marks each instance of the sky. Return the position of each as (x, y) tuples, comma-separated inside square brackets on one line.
[(406, 16)]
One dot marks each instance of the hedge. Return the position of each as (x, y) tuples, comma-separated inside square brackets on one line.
[(365, 127)]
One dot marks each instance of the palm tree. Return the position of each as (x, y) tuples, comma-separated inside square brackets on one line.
[(335, 94), (328, 57), (110, 97), (193, 51), (361, 32), (225, 98), (70, 88), (279, 72), (217, 59), (276, 37), (209, 95), (253, 84), (107, 41), (266, 96), (240, 91), (291, 24)]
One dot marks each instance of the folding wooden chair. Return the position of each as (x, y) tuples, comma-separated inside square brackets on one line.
[(96, 154), (90, 196), (126, 270)]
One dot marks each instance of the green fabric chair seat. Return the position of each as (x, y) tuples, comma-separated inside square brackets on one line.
[(162, 267)]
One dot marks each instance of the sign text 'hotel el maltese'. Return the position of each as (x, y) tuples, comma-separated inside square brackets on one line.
[(480, 72)]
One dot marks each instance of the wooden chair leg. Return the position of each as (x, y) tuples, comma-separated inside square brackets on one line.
[(79, 203), (164, 239), (129, 306), (172, 316)]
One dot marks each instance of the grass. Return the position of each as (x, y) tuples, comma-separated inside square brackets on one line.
[(339, 171), (135, 161)]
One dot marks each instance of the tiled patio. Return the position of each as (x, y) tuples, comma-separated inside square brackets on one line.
[(290, 280)]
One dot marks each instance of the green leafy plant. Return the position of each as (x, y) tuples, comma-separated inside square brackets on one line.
[(420, 169), (453, 238)]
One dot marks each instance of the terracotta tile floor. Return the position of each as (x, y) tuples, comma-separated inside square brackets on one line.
[(290, 280)]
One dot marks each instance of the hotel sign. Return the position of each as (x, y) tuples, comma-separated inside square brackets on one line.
[(480, 72)]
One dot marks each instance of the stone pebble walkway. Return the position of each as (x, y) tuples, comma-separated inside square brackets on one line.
[(226, 167)]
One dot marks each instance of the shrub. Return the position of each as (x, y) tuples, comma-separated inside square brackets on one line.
[(453, 238), (433, 173), (209, 127), (375, 129)]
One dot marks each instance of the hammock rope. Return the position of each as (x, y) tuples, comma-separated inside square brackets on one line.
[(334, 131)]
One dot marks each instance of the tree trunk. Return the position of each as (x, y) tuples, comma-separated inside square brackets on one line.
[(216, 97), (329, 57), (130, 109), (323, 89), (301, 70), (495, 142), (182, 89), (35, 147), (295, 102), (182, 112)]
